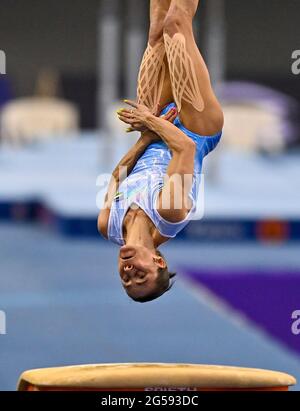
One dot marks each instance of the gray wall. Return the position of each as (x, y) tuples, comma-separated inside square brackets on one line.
[(261, 36), (39, 33), (62, 33)]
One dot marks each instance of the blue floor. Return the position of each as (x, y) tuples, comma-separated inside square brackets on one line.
[(64, 305)]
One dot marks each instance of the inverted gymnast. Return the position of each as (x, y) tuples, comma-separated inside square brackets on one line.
[(173, 142)]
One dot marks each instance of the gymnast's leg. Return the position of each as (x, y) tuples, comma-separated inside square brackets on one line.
[(199, 108), (154, 84)]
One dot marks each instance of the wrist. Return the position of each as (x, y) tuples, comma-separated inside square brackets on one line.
[(149, 120), (147, 136)]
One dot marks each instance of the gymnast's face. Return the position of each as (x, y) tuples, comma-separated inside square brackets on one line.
[(138, 267)]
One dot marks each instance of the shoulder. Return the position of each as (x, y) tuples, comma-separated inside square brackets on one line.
[(103, 222)]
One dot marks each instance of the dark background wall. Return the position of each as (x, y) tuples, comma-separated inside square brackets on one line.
[(261, 36), (39, 33), (63, 34)]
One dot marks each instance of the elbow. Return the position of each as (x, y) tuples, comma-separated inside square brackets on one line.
[(99, 224), (190, 144), (186, 145), (102, 224)]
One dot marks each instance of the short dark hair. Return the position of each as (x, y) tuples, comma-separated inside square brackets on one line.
[(163, 283)]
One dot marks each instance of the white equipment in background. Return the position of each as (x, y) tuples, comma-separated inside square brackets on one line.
[(33, 119)]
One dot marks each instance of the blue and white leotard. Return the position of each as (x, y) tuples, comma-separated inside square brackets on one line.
[(142, 186)]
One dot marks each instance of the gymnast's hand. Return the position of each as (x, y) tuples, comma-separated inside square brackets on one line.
[(137, 117)]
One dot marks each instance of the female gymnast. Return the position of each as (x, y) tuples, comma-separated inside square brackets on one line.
[(153, 191)]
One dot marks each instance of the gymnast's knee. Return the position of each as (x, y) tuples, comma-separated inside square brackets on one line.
[(156, 33), (177, 21), (172, 24)]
